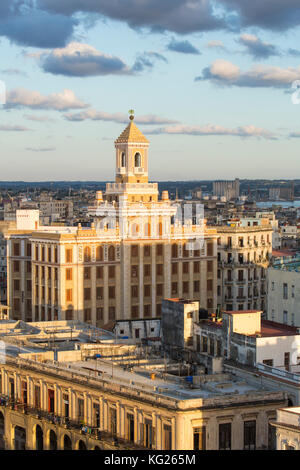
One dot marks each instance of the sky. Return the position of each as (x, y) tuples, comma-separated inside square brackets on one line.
[(213, 84)]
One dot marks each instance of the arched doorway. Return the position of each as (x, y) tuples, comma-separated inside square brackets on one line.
[(20, 438), (290, 402), (81, 445), (52, 440), (2, 432), (39, 438), (67, 443)]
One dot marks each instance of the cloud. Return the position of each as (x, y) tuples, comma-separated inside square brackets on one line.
[(184, 47), (93, 115), (22, 98), (40, 149), (279, 15), (14, 72), (23, 24), (294, 135), (257, 48), (293, 52), (31, 117), (10, 128), (211, 129), (180, 16), (146, 61), (215, 44), (225, 73), (81, 60)]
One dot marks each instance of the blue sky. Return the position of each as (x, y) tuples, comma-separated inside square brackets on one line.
[(210, 83)]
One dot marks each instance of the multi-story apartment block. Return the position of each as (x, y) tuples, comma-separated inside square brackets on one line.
[(244, 251), (284, 291), (81, 401), (136, 252), (227, 189)]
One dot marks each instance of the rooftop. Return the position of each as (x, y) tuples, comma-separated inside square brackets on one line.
[(131, 134), (88, 355)]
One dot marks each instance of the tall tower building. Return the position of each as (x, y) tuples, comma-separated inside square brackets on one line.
[(136, 252)]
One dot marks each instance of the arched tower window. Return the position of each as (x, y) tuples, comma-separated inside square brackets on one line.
[(137, 160), (123, 160)]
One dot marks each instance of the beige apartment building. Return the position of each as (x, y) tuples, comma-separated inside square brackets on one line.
[(244, 251), (55, 393), (135, 253)]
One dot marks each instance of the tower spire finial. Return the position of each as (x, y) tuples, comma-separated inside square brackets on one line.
[(131, 114)]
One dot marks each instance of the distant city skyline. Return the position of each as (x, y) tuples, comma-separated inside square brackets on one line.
[(210, 84)]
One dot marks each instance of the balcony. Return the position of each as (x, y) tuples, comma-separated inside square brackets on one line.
[(139, 169), (76, 425)]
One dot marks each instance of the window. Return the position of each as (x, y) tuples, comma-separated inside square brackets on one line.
[(287, 360), (167, 437), (111, 253), (210, 249), (68, 295), (99, 313), (111, 272), (174, 268), (69, 274), (174, 288), (123, 159), (196, 267), (185, 287), (111, 292), (134, 271), (147, 251), (271, 437), (147, 310), (249, 435), (16, 249), (159, 250), (147, 270), (209, 266), (99, 293), (134, 312), (87, 254), (285, 317), (147, 290), (225, 436), (80, 409), (69, 255), (134, 251), (285, 291), (87, 314), (134, 291), (200, 438), (185, 268), (137, 160), (174, 251), (87, 273), (99, 272), (111, 313), (87, 293), (268, 362), (159, 269), (196, 286), (99, 253), (159, 289)]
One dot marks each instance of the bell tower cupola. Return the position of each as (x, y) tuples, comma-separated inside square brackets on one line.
[(132, 155)]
